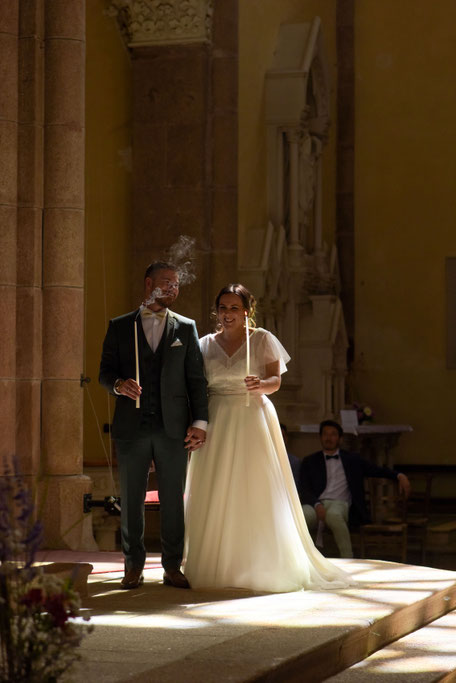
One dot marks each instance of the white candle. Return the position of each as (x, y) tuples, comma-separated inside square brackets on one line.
[(136, 359), (247, 352)]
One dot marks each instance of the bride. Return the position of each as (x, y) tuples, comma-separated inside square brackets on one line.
[(244, 523)]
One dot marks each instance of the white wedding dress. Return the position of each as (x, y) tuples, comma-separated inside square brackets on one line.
[(244, 523)]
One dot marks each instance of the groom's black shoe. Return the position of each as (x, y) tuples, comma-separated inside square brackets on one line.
[(133, 578), (174, 577)]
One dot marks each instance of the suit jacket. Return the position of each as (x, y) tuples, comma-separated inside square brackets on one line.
[(183, 387), (312, 481)]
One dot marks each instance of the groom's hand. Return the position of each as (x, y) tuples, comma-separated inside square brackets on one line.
[(194, 439), (129, 388)]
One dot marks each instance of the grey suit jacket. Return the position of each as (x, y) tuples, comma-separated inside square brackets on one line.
[(183, 386)]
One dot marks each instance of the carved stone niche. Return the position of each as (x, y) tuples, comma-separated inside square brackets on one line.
[(298, 79), (163, 22), (295, 275), (297, 119)]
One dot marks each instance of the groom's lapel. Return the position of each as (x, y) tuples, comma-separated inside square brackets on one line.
[(170, 330)]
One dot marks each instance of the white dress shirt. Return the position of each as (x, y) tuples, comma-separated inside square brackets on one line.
[(336, 481), (153, 326)]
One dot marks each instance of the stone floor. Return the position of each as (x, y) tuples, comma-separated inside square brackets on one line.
[(159, 633)]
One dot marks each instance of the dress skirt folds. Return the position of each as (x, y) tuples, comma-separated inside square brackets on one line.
[(244, 523)]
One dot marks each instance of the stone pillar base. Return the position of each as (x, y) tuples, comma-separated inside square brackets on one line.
[(66, 526), (105, 529), (77, 572)]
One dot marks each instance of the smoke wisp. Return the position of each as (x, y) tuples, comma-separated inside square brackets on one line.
[(182, 255), (156, 294)]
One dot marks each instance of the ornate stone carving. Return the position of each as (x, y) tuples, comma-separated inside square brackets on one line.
[(157, 22), (307, 178), (296, 278)]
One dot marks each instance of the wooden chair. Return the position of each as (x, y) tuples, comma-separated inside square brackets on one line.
[(418, 512), (386, 536)]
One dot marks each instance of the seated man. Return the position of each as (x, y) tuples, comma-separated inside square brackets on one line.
[(331, 486)]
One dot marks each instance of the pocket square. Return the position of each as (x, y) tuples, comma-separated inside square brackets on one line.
[(177, 342)]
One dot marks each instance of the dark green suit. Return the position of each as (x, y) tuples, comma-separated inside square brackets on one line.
[(174, 394)]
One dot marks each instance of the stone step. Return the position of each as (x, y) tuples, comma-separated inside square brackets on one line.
[(427, 655), (329, 633), (162, 635), (77, 572)]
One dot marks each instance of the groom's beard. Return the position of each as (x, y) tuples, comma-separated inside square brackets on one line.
[(166, 299)]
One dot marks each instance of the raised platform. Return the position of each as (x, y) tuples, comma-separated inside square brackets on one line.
[(159, 633)]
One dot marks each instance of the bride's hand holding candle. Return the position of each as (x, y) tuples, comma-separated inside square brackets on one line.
[(253, 384), (267, 384)]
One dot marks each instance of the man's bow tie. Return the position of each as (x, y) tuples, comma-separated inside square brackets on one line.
[(329, 457), (157, 315)]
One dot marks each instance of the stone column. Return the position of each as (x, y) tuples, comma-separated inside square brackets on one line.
[(29, 236), (295, 247), (293, 144), (170, 165), (318, 238), (222, 248), (184, 139), (63, 277), (8, 211)]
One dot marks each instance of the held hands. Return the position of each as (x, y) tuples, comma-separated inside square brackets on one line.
[(129, 388), (253, 384), (195, 439)]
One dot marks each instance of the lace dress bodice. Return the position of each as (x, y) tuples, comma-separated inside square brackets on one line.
[(225, 374)]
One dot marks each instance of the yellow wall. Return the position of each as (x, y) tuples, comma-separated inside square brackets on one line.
[(405, 169), (108, 181), (405, 208), (259, 22)]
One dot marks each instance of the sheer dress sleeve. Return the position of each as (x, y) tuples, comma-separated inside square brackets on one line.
[(268, 349)]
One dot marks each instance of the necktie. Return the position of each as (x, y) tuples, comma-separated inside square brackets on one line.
[(329, 457)]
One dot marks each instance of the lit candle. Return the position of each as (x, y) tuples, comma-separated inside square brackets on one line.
[(136, 360), (247, 351)]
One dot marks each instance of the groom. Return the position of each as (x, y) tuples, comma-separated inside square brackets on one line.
[(169, 419)]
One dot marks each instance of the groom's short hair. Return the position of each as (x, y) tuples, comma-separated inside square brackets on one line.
[(155, 266)]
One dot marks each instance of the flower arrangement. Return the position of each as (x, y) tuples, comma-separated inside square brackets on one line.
[(364, 412), (38, 632)]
